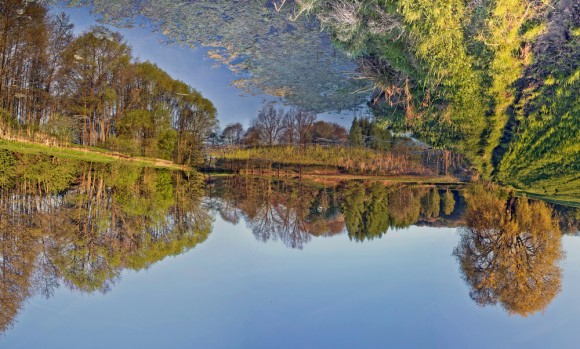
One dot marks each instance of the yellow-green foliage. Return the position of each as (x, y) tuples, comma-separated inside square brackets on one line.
[(505, 40), (436, 33), (545, 156), (462, 61)]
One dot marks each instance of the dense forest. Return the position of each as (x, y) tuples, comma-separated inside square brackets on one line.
[(88, 90), (495, 80)]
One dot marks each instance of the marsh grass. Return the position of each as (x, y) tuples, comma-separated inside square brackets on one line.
[(351, 160)]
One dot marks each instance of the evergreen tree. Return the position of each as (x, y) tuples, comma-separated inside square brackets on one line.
[(355, 136)]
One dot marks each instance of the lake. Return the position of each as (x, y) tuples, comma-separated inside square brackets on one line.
[(113, 255)]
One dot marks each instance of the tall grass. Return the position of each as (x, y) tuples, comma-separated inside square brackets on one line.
[(350, 160)]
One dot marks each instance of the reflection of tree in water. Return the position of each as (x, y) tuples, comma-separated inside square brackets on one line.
[(280, 210), (569, 218), (509, 252), (366, 210), (115, 217), (294, 60), (18, 250), (294, 211), (371, 209)]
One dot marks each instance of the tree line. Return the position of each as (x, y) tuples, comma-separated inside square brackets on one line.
[(89, 90), (277, 126)]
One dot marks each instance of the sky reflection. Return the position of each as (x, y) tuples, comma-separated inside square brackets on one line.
[(232, 291), (194, 67)]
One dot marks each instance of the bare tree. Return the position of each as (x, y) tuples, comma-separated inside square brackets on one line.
[(304, 124), (298, 126), (289, 134), (269, 124), (232, 134)]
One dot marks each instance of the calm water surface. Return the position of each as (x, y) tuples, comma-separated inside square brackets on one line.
[(269, 263), (404, 290)]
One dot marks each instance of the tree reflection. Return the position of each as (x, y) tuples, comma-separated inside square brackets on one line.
[(19, 246), (83, 227), (290, 59), (509, 251), (293, 211), (289, 211), (366, 211)]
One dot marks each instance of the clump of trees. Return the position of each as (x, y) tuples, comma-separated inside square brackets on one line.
[(367, 133), (79, 225), (277, 126), (89, 90)]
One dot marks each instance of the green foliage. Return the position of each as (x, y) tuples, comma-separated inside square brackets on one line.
[(88, 90), (364, 132), (52, 175), (430, 204), (463, 75), (166, 143), (7, 168), (355, 136), (545, 155), (447, 203)]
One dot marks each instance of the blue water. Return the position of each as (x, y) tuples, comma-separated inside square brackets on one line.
[(401, 291)]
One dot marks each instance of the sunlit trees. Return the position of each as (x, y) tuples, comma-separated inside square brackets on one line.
[(482, 78), (94, 64), (23, 60), (88, 90), (509, 252)]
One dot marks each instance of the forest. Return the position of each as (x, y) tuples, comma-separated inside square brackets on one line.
[(493, 80), (59, 88)]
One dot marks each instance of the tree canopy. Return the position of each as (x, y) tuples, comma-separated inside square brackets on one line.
[(89, 90)]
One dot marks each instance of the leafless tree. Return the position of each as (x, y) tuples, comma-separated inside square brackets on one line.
[(232, 134), (269, 124)]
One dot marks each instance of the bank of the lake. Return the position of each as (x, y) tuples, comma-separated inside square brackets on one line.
[(85, 153)]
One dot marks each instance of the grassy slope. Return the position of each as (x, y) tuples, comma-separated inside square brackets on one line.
[(84, 154)]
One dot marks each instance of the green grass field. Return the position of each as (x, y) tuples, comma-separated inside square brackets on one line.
[(84, 154)]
